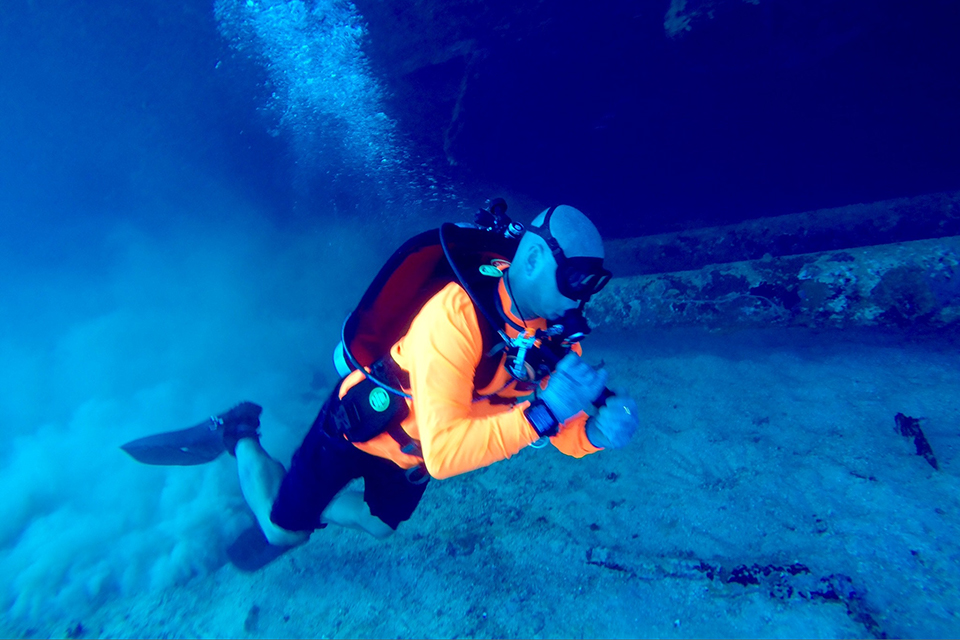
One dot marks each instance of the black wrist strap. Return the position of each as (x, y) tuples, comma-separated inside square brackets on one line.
[(542, 420)]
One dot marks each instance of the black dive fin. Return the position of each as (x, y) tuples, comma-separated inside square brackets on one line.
[(251, 551), (195, 445), (202, 443)]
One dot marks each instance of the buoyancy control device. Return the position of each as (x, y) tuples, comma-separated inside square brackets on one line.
[(463, 253)]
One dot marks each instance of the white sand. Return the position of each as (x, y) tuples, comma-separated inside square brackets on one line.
[(757, 447)]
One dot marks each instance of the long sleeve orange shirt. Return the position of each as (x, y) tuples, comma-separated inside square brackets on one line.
[(441, 352)]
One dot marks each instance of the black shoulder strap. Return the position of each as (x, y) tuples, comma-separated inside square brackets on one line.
[(487, 292), (472, 255)]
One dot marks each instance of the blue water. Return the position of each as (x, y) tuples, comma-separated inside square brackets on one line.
[(194, 194)]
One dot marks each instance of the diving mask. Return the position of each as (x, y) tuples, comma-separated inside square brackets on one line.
[(578, 277)]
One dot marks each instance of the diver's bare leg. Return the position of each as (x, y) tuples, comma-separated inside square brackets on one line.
[(260, 477), (349, 510)]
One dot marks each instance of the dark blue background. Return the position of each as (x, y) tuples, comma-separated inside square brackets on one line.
[(775, 108), (767, 109)]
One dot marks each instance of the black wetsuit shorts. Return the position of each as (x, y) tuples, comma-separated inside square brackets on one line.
[(324, 464)]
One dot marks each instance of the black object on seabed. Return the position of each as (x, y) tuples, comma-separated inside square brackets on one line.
[(910, 427), (251, 551)]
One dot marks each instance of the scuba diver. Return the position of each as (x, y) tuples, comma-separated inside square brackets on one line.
[(463, 351)]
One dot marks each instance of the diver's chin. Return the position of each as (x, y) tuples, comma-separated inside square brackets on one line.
[(557, 316)]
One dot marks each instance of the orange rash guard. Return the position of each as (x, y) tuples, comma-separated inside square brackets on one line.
[(441, 352)]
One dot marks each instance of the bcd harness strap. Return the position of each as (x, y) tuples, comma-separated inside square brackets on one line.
[(390, 370), (367, 410), (377, 404)]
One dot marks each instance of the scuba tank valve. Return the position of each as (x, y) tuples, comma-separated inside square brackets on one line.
[(493, 217)]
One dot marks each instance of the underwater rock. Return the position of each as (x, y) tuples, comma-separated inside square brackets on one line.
[(910, 428), (907, 284)]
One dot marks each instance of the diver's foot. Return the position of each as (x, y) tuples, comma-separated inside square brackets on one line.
[(251, 550), (243, 421)]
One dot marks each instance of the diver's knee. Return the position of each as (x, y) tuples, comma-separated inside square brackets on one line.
[(280, 537)]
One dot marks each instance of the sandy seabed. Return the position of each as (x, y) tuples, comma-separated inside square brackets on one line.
[(767, 494)]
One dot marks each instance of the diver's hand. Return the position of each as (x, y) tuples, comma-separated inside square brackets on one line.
[(615, 423), (573, 387)]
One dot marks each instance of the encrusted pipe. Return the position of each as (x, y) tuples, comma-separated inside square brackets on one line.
[(934, 215), (906, 284)]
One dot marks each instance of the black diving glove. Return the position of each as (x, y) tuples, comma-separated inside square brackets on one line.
[(572, 387)]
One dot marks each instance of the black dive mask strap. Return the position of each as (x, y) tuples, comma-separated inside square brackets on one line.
[(578, 277)]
